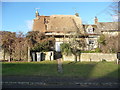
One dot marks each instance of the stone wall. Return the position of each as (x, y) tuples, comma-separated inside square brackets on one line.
[(49, 55), (91, 57), (41, 56)]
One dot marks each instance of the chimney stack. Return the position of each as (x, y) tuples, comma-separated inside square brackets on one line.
[(95, 20), (37, 13)]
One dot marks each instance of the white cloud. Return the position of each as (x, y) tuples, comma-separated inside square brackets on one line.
[(29, 24)]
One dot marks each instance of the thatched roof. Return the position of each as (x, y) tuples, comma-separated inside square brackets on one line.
[(59, 23)]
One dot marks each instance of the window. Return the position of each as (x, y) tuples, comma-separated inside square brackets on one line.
[(45, 26), (91, 42), (93, 29)]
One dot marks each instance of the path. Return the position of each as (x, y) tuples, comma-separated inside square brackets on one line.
[(60, 69)]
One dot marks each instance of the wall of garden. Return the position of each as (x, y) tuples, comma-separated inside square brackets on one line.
[(92, 57)]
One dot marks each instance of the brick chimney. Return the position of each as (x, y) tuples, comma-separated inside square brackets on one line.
[(95, 20)]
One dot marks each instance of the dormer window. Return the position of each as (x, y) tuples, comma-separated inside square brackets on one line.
[(90, 30)]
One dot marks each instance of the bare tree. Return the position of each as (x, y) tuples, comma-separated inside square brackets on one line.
[(8, 39), (109, 44), (114, 8), (37, 41), (20, 47), (77, 43)]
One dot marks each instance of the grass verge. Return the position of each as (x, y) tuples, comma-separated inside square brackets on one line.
[(70, 69)]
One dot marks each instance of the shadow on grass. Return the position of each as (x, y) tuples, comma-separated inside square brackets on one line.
[(72, 62)]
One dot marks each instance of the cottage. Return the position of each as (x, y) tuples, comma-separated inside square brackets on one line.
[(58, 26), (62, 26)]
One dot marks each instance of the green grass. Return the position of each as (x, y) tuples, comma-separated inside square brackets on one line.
[(45, 68), (49, 68), (91, 69)]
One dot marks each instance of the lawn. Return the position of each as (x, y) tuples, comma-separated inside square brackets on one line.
[(70, 69)]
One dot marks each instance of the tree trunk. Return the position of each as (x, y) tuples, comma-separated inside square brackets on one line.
[(75, 58), (29, 57), (10, 58), (4, 54), (10, 54), (26, 53), (19, 55), (79, 57)]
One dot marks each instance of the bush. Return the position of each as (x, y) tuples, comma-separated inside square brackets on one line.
[(65, 49), (41, 47), (103, 60), (98, 50), (15, 59), (89, 52), (102, 40)]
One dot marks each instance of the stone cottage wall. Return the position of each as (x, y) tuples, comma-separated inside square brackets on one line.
[(92, 57)]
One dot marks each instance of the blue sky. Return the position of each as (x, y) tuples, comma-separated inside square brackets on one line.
[(18, 16)]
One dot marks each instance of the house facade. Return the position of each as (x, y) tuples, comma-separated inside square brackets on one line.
[(94, 31), (62, 26), (58, 26)]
